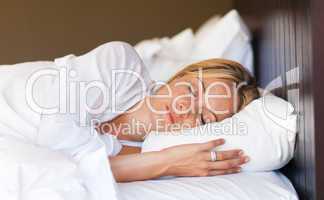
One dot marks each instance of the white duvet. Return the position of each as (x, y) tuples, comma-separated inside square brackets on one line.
[(30, 172)]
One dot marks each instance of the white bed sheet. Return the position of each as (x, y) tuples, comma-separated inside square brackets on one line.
[(242, 186)]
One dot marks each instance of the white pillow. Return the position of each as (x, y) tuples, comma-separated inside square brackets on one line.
[(204, 30), (227, 38), (265, 129), (166, 56)]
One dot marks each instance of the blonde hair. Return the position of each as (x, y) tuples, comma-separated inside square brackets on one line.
[(227, 70)]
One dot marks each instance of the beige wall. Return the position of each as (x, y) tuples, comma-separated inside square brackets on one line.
[(45, 29)]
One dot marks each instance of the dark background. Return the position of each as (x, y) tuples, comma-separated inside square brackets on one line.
[(43, 30)]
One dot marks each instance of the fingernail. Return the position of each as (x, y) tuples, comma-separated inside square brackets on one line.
[(241, 153), (238, 170), (246, 159)]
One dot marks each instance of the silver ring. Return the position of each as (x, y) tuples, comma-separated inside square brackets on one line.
[(213, 156)]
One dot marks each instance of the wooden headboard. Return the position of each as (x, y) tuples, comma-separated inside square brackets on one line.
[(287, 45)]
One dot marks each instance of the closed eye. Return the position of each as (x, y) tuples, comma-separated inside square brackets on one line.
[(210, 119)]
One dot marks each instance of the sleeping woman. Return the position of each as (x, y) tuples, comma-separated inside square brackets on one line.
[(122, 103)]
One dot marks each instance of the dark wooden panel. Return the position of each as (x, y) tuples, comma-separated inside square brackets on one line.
[(288, 43), (306, 139), (316, 77)]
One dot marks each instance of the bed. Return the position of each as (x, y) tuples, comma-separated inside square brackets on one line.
[(286, 45)]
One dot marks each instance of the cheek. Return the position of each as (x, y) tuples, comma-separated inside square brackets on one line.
[(179, 90)]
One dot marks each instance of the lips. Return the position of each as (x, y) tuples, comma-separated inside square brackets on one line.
[(171, 118)]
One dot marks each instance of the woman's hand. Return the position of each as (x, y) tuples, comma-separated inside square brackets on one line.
[(182, 160), (195, 160)]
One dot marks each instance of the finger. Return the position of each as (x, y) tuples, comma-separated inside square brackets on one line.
[(224, 155), (223, 172), (228, 164), (211, 144)]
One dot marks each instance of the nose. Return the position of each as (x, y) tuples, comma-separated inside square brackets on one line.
[(183, 110), (183, 107)]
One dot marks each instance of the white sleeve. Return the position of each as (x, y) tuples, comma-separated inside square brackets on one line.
[(130, 143), (119, 68)]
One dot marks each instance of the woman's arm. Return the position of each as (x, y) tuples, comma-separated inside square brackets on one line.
[(182, 160), (135, 167)]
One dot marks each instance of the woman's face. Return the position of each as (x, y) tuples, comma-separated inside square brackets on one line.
[(190, 101)]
